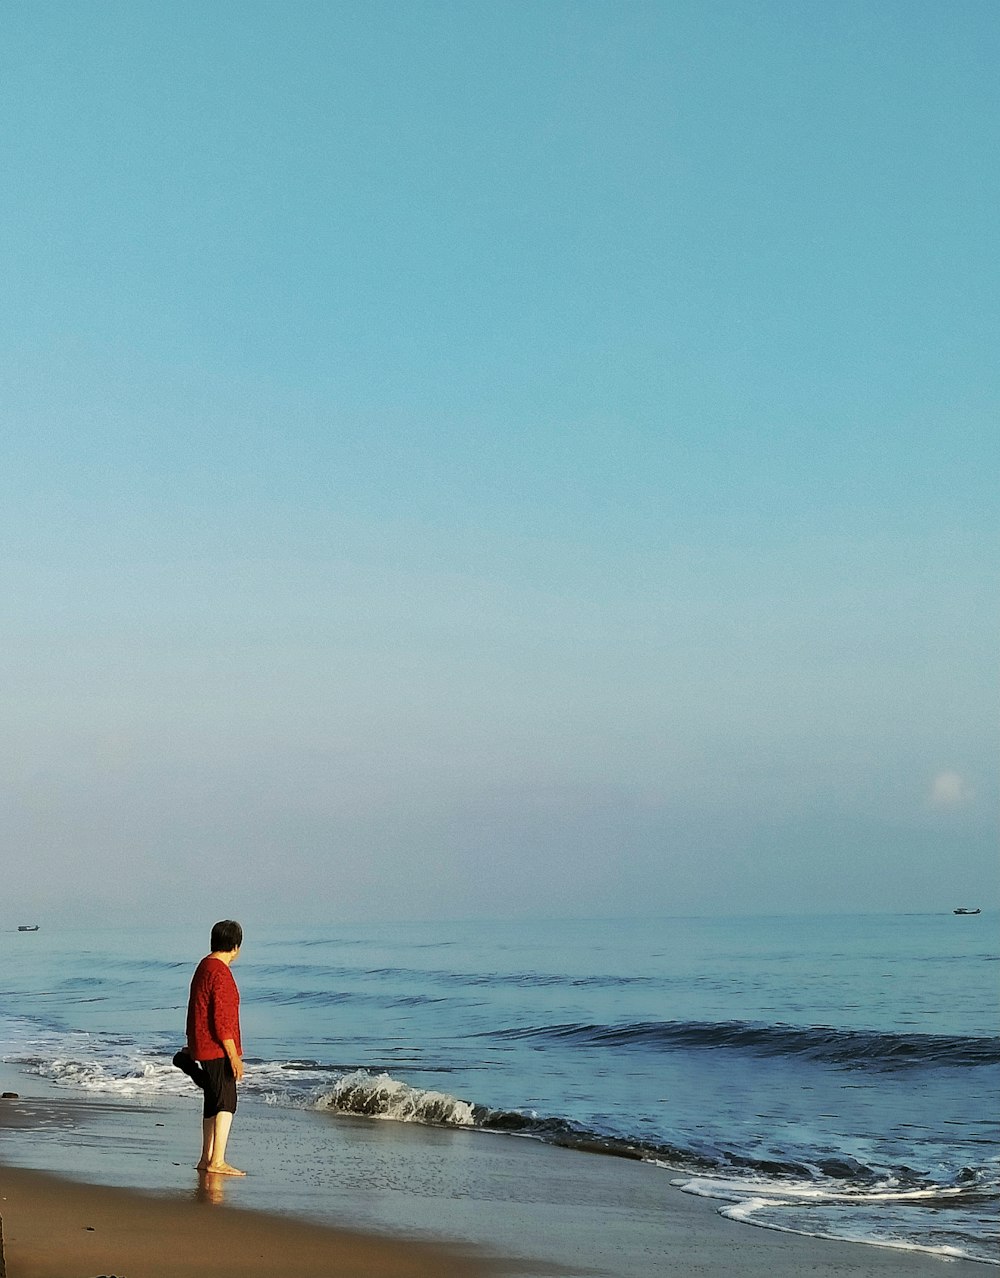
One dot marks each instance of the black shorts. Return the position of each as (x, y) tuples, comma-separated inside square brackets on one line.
[(220, 1087)]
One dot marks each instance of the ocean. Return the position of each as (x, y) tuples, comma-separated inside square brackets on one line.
[(831, 1076)]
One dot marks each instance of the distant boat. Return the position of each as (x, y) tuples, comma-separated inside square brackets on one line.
[(961, 911), (28, 927)]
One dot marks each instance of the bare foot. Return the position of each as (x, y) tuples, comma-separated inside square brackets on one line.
[(223, 1169), (202, 1165)]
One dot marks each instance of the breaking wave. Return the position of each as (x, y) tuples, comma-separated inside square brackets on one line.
[(381, 1096), (719, 1172)]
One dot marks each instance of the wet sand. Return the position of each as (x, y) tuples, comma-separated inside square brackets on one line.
[(365, 1198), (53, 1228)]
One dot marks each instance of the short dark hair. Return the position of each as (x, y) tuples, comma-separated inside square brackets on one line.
[(226, 935)]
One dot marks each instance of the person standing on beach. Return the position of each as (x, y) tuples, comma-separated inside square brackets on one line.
[(213, 1040)]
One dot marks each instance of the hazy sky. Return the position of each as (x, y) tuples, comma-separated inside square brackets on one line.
[(482, 458)]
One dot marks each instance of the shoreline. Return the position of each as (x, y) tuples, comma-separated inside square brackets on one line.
[(403, 1201)]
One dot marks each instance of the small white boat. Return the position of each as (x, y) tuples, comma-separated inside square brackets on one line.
[(962, 911)]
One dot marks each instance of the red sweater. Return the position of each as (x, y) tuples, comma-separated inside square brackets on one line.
[(213, 1011)]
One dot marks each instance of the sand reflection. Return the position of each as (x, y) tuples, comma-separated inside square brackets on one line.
[(211, 1189)]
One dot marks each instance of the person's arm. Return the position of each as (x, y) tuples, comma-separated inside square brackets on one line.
[(226, 1020), (229, 1047)]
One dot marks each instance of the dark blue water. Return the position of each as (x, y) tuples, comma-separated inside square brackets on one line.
[(835, 1076)]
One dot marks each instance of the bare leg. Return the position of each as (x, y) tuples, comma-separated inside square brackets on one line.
[(215, 1136), (207, 1142)]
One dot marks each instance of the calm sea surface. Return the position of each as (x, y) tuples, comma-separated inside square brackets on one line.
[(835, 1076)]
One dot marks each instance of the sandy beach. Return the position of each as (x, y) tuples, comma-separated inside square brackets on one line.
[(54, 1228), (406, 1201)]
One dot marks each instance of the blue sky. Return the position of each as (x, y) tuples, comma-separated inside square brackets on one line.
[(472, 459)]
